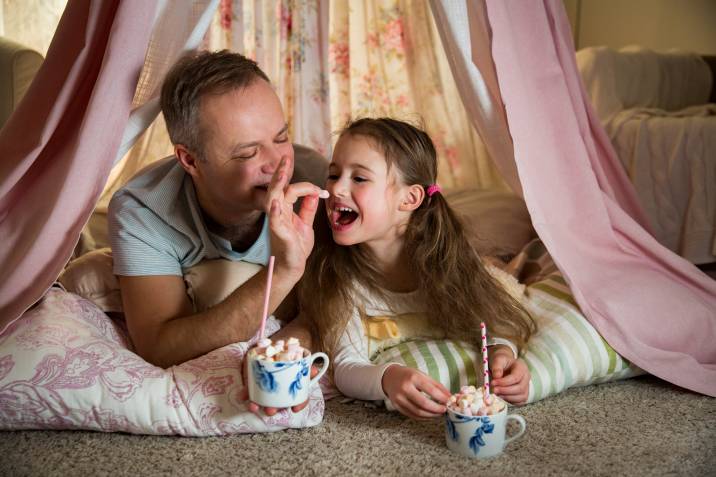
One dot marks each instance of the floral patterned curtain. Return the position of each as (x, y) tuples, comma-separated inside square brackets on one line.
[(386, 58), (358, 58), (289, 40)]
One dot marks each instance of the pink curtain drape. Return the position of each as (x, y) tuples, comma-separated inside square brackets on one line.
[(61, 142), (655, 308)]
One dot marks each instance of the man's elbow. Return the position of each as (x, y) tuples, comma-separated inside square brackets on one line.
[(151, 352)]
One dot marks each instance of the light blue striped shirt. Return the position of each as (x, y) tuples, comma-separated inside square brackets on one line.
[(156, 226)]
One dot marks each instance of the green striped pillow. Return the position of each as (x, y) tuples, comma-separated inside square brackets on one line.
[(566, 351), (452, 363)]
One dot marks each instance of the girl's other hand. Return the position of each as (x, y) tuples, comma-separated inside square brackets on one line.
[(405, 387), (510, 377)]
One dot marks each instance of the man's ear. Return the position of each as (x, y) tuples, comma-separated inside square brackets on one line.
[(413, 197), (187, 159)]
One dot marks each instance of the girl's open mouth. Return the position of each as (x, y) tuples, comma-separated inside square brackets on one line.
[(342, 217)]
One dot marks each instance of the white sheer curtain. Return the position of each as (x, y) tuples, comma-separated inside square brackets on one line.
[(179, 27)]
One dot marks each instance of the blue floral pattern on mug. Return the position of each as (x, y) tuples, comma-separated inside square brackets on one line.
[(477, 440), (264, 379), (450, 428), (296, 384)]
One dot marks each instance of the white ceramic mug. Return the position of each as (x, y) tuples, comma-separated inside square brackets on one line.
[(480, 437), (282, 383)]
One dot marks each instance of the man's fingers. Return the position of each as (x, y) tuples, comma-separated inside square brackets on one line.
[(274, 212), (309, 206), (302, 189), (300, 407), (278, 183)]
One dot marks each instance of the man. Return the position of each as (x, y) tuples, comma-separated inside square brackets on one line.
[(233, 162)]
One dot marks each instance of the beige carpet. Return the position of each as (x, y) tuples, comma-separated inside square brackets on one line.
[(637, 427)]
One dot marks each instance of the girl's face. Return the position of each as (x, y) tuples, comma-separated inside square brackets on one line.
[(364, 206)]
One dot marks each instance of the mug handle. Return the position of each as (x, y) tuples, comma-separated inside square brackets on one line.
[(523, 425), (323, 369)]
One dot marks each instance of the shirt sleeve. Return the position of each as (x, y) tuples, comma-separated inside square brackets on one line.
[(141, 242), (502, 341), (354, 374)]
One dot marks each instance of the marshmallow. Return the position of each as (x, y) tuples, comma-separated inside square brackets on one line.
[(290, 350), (470, 401)]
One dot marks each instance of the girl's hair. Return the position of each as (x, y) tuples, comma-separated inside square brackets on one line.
[(458, 290)]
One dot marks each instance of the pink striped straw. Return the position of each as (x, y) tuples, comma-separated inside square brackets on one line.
[(266, 298), (486, 366)]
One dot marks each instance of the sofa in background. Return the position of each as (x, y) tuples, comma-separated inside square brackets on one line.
[(659, 112), (18, 66)]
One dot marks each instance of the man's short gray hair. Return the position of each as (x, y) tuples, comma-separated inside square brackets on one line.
[(193, 76)]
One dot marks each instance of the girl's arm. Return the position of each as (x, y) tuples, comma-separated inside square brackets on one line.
[(354, 374)]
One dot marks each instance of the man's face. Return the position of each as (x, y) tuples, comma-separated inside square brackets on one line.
[(245, 137)]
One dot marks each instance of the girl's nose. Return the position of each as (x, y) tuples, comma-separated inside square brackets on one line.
[(337, 188)]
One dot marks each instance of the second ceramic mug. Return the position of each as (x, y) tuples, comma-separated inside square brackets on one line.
[(282, 383), (480, 437)]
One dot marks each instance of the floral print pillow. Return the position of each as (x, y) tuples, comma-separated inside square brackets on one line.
[(67, 365)]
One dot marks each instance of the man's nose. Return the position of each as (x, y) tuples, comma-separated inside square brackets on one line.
[(272, 160)]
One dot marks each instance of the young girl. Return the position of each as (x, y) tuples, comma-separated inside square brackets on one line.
[(392, 263)]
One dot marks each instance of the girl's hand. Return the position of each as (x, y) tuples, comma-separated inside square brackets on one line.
[(405, 387), (509, 378)]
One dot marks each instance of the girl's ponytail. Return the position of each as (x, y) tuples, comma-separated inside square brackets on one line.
[(459, 288)]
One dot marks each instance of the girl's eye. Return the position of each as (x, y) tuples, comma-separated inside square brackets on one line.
[(332, 177), (359, 179)]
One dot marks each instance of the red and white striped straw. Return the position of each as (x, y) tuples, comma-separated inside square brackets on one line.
[(266, 298), (486, 366)]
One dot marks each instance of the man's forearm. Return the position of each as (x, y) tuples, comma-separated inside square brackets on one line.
[(237, 318)]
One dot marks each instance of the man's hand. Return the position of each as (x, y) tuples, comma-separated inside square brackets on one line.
[(291, 233), (510, 377), (405, 387)]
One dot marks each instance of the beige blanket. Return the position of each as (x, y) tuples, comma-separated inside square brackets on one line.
[(671, 160)]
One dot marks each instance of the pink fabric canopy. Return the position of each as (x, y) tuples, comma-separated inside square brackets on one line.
[(59, 145), (655, 308)]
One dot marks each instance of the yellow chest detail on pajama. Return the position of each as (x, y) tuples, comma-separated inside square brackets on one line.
[(385, 331)]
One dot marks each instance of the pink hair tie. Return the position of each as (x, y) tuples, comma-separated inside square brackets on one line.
[(432, 189)]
